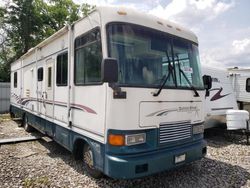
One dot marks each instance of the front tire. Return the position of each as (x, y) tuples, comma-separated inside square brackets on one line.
[(88, 163), (26, 125)]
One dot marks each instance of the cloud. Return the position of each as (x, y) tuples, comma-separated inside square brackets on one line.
[(241, 46), (237, 54), (192, 12)]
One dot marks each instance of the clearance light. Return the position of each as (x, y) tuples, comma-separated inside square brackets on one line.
[(178, 29), (170, 26), (116, 140), (159, 22), (123, 13)]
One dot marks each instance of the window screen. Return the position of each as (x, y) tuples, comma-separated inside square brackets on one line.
[(40, 74), (15, 79), (62, 70), (88, 57)]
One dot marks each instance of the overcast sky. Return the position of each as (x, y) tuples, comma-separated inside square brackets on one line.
[(222, 26)]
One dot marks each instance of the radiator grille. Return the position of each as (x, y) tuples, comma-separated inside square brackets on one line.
[(174, 132)]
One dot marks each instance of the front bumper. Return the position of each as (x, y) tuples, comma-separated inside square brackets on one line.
[(140, 165)]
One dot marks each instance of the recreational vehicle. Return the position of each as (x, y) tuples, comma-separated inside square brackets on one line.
[(120, 89), (221, 96), (240, 79)]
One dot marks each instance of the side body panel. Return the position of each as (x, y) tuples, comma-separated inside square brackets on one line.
[(221, 96)]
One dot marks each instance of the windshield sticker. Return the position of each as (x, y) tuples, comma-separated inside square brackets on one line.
[(164, 59), (188, 70)]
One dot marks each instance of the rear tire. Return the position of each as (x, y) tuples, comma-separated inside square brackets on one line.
[(12, 115), (88, 163), (26, 125)]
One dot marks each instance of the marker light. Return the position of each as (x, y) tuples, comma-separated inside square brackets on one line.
[(116, 140), (123, 13), (159, 22), (178, 29)]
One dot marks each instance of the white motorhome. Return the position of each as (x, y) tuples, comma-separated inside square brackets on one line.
[(221, 96), (240, 79), (118, 89)]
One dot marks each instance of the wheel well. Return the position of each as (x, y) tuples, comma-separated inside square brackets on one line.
[(78, 148)]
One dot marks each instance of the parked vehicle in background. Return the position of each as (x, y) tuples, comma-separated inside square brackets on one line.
[(240, 79), (117, 88), (221, 98)]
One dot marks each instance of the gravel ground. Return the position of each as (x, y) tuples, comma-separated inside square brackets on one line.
[(46, 164)]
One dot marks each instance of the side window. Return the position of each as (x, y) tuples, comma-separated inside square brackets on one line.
[(49, 76), (62, 70), (40, 74), (248, 85), (15, 80), (88, 57)]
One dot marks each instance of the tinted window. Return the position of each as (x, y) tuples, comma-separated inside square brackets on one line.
[(40, 74), (62, 70), (88, 57), (15, 79), (248, 85)]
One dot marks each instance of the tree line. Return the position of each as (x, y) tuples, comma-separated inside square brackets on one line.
[(25, 23)]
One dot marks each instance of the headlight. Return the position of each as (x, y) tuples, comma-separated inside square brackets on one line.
[(134, 139), (198, 129)]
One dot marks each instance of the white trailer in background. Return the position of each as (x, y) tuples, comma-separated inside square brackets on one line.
[(221, 96), (117, 88), (240, 79)]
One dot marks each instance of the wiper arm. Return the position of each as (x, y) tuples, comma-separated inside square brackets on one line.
[(196, 94), (170, 72), (188, 81)]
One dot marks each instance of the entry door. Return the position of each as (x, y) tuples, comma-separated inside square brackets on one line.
[(49, 88), (40, 90)]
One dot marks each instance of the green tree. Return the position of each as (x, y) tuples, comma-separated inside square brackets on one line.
[(25, 23), (62, 12), (86, 8)]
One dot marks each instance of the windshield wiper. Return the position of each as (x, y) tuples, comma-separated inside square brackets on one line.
[(170, 72), (188, 81)]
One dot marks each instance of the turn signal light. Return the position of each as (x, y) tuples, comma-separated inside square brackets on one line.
[(116, 140)]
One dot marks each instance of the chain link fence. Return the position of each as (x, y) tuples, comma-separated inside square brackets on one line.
[(4, 97)]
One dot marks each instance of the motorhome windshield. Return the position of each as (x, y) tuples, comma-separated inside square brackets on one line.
[(146, 56)]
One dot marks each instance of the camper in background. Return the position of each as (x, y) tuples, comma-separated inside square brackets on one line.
[(240, 79), (221, 97), (119, 89)]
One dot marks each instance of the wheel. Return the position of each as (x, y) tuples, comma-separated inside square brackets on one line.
[(22, 123), (26, 125), (88, 163), (12, 115)]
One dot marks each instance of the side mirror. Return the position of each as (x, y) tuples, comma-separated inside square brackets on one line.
[(110, 70), (207, 80), (248, 85)]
